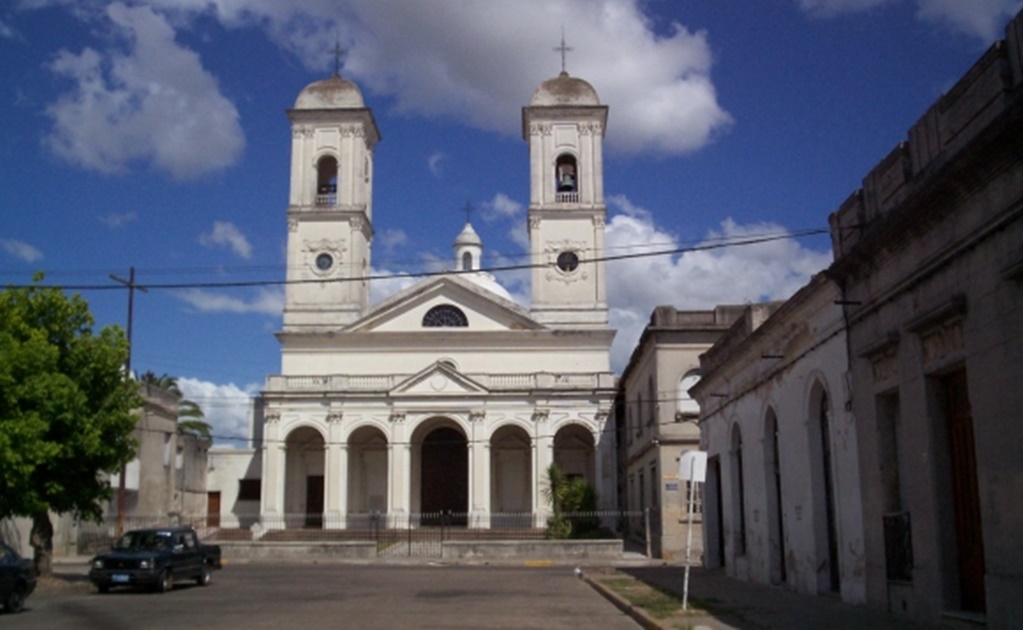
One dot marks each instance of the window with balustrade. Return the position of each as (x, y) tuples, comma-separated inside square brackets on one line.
[(326, 181)]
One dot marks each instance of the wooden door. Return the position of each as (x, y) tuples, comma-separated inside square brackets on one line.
[(965, 492), (213, 509)]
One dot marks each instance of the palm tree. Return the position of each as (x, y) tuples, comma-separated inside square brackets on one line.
[(190, 414)]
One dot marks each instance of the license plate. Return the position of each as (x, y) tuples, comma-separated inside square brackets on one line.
[(120, 579)]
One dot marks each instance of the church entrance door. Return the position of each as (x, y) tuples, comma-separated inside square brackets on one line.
[(445, 477)]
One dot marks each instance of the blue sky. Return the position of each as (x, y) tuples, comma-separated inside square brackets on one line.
[(152, 134)]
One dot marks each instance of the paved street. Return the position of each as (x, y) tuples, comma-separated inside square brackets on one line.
[(337, 596)]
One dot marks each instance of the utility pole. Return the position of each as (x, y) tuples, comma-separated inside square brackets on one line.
[(121, 489)]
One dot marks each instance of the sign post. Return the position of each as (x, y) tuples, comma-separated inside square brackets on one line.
[(692, 468)]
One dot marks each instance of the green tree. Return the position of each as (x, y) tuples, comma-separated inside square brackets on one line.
[(66, 410), (573, 501), (190, 414)]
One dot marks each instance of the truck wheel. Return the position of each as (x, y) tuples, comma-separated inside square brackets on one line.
[(166, 582), (103, 588), (15, 599), (205, 576)]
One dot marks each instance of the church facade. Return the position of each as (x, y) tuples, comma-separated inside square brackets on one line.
[(448, 397)]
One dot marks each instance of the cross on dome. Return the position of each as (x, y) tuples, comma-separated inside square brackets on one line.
[(339, 53), (563, 49)]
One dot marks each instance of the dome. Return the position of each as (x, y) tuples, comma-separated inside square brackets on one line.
[(468, 236), (486, 281), (332, 93), (564, 90)]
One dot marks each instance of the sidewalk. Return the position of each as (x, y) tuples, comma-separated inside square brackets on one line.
[(737, 604)]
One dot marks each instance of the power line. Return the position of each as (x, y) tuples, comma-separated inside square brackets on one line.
[(741, 242)]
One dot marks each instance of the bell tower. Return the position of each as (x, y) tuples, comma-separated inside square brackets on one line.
[(564, 126), (330, 207)]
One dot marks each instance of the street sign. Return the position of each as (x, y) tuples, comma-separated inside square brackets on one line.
[(692, 466)]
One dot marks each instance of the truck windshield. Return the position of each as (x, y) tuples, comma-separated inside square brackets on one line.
[(144, 541)]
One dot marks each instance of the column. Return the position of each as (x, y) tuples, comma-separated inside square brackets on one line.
[(479, 472), (272, 505), (399, 479), (333, 473), (543, 456)]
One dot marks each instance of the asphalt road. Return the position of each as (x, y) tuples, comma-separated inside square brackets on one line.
[(336, 596)]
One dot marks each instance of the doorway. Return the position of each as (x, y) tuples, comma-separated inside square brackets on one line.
[(444, 475)]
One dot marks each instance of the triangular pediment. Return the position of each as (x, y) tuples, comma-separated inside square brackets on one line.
[(440, 379), (484, 310)]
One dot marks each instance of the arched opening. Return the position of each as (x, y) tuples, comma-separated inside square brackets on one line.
[(823, 488), (775, 520), (367, 474), (511, 480), (574, 452), (326, 181), (466, 261), (566, 178), (441, 454), (303, 479), (738, 495)]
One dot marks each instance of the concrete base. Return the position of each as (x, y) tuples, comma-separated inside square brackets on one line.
[(349, 550), (534, 549)]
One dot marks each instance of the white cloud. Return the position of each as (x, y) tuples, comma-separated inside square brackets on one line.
[(265, 302), (149, 101), (828, 8), (434, 163), (114, 220), (6, 32), (477, 64), (20, 250), (227, 407), (501, 207), (983, 19), (504, 208), (227, 234), (695, 280), (384, 284), (390, 238)]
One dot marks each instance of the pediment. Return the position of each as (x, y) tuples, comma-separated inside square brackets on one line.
[(440, 379), (483, 309)]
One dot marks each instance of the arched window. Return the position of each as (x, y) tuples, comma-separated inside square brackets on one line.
[(326, 181), (445, 316), (566, 178), (466, 261)]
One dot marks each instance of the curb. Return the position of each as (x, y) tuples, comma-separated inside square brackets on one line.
[(638, 615)]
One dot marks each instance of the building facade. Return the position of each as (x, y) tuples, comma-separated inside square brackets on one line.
[(929, 257), (656, 420), (782, 497), (448, 397)]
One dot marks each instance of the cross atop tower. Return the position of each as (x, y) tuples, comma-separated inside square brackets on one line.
[(563, 49), (339, 53), (468, 210)]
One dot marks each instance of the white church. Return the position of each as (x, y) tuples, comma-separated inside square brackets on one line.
[(448, 397)]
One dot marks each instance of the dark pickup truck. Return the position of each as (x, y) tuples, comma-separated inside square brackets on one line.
[(155, 558)]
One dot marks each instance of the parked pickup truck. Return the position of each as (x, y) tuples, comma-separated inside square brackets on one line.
[(155, 558)]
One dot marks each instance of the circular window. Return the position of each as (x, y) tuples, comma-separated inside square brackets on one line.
[(568, 261), (324, 262)]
